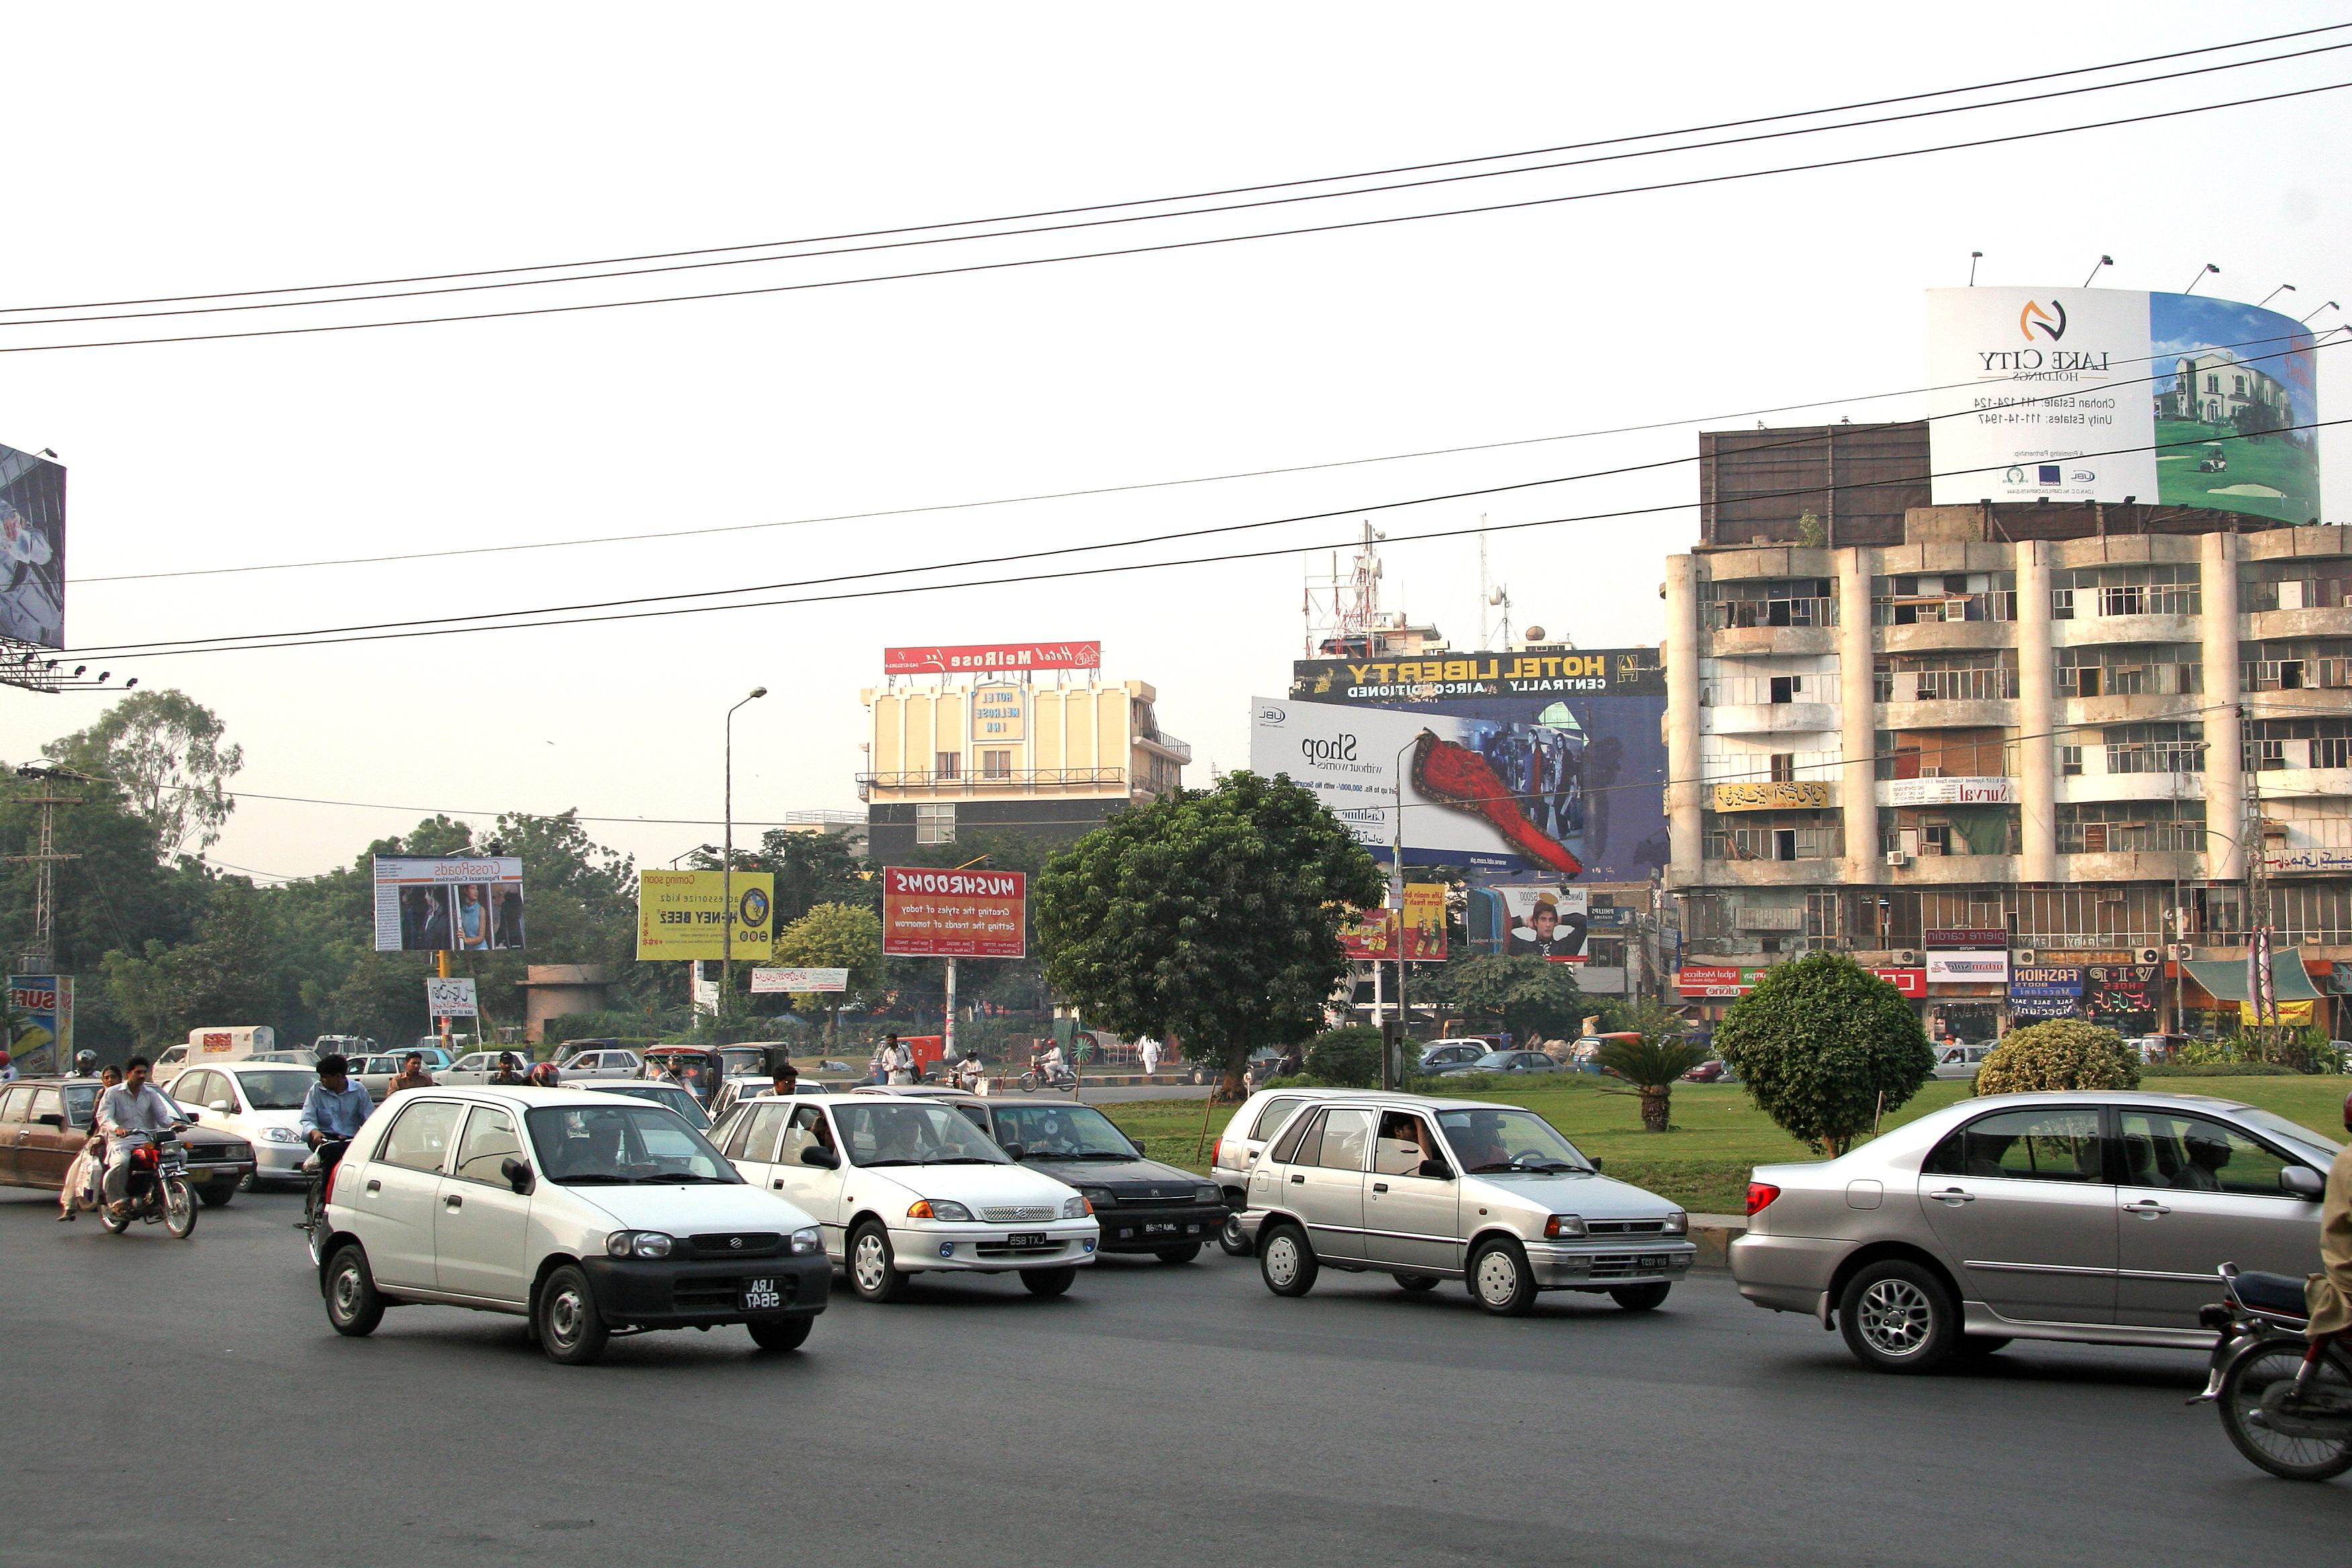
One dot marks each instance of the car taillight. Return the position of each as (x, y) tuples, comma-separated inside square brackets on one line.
[(1217, 1154), (328, 1195), (1760, 1196)]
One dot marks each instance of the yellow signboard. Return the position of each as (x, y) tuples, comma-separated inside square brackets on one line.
[(1773, 794), (680, 914), (2298, 1014)]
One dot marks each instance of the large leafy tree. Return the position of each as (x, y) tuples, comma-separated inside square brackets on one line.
[(169, 755), (221, 977), (1532, 997), (1826, 1047), (835, 936), (1210, 915)]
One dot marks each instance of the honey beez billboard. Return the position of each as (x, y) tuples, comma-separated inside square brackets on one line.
[(1544, 761)]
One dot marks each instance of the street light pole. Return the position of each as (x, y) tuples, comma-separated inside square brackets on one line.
[(1391, 1051), (727, 869)]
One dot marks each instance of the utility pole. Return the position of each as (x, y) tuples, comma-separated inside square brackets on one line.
[(42, 956), (727, 873), (2259, 982)]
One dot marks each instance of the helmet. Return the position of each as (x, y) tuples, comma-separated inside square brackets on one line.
[(85, 1063), (545, 1076)]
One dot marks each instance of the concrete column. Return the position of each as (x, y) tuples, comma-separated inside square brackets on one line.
[(1857, 790), (2225, 780), (2037, 717), (1686, 645)]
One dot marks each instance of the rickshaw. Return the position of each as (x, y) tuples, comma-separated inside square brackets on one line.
[(697, 1067)]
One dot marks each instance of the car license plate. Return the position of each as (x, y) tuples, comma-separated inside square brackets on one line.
[(1654, 1260), (760, 1296), (1161, 1228), (1028, 1239)]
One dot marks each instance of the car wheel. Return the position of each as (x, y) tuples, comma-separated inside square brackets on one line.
[(1184, 1254), (1640, 1298), (1049, 1282), (216, 1195), (782, 1333), (1285, 1260), (1499, 1278), (873, 1272), (1897, 1317), (1417, 1281), (245, 1183), (1231, 1237), (353, 1308), (571, 1330)]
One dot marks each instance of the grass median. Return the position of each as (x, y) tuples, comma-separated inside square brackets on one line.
[(1702, 1161)]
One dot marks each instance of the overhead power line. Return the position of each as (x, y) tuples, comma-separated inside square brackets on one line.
[(1167, 247)]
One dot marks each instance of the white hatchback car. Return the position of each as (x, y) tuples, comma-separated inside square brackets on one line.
[(261, 1103), (586, 1213), (903, 1186)]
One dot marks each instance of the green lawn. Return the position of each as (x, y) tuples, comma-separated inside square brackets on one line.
[(1703, 1161)]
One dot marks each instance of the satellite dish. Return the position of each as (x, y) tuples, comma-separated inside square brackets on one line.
[(1534, 634)]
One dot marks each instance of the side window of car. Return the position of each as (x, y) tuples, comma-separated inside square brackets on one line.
[(1404, 1142), (13, 1103), (489, 1142), (1347, 1137), (2044, 1145), (2190, 1154), (1301, 1143), (46, 1103), (420, 1139), (1272, 1117), (767, 1121), (188, 1088)]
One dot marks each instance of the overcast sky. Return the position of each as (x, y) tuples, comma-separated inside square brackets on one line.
[(169, 152)]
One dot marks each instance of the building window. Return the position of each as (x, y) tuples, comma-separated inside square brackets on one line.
[(935, 824), (2070, 762), (947, 766), (2155, 748), (2062, 604), (1786, 688), (2114, 827), (996, 764), (1784, 767)]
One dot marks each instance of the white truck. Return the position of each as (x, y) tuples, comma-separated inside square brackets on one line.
[(213, 1045)]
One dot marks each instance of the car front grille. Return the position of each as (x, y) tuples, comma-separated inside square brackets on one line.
[(1625, 1227), (1155, 1197), (736, 1244), (1008, 1216), (1626, 1265), (201, 1152)]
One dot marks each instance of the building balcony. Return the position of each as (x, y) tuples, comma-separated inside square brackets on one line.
[(926, 785), (2134, 865), (2097, 631), (1823, 872), (1732, 642), (2279, 626), (1928, 637), (1959, 713), (2282, 703), (2075, 789), (2135, 708), (1768, 719), (1936, 870)]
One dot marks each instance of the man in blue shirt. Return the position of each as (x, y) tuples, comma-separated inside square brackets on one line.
[(334, 1110)]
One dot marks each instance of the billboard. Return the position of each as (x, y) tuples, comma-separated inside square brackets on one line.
[(1372, 936), (2045, 991), (32, 549), (1517, 764), (451, 998), (937, 658), (41, 1039), (928, 913), (1545, 922), (683, 914), (806, 982), (457, 903), (2217, 387), (1724, 981), (1967, 956)]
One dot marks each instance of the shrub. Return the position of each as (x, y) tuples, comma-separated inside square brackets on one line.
[(1824, 1048), (2064, 1053), (1346, 1058), (2215, 1069)]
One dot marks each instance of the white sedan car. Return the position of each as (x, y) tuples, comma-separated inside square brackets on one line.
[(904, 1186), (587, 1213), (259, 1103)]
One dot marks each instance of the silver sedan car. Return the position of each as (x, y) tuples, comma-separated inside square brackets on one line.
[(2096, 1216)]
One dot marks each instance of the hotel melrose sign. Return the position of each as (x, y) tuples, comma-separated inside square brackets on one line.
[(683, 914), (991, 658), (2108, 395), (931, 914)]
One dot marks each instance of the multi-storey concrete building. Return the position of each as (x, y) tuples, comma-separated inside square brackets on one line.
[(2059, 722)]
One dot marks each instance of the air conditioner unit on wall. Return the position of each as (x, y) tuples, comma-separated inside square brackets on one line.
[(2180, 951), (1905, 959), (2025, 955), (2150, 955), (1896, 858)]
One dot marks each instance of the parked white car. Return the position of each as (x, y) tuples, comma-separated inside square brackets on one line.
[(259, 1102), (1245, 1139), (903, 1186), (586, 1213)]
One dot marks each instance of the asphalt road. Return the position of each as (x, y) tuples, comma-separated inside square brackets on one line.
[(185, 1403)]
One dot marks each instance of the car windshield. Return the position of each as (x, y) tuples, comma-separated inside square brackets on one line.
[(622, 1145), (277, 1091), (668, 1094), (1062, 1132), (1496, 1059), (913, 1132), (742, 1062), (2293, 1132), (1493, 1141)]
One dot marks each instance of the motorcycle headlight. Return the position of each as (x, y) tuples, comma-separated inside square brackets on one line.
[(639, 1244), (807, 1240), (1678, 1223), (1564, 1225), (1076, 1207), (1207, 1194), (939, 1209), (281, 1135)]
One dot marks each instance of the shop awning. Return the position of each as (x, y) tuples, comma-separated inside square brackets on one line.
[(2225, 979)]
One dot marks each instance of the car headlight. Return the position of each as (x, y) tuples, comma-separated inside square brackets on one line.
[(807, 1240), (1205, 1194), (1076, 1207), (281, 1135), (1564, 1225), (939, 1208), (1099, 1196), (1678, 1223), (639, 1244)]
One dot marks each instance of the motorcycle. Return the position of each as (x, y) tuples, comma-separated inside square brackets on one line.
[(158, 1188), (2284, 1400), (1059, 1078), (320, 1171)]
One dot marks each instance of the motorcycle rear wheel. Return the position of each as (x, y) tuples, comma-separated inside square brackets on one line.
[(115, 1223), (179, 1207), (2253, 1383)]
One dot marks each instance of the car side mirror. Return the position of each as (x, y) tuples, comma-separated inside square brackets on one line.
[(1435, 1170), (51, 1119), (820, 1156), (517, 1173), (223, 1106), (1596, 1165), (1012, 1150), (2302, 1182)]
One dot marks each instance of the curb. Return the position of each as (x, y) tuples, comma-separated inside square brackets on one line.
[(1713, 1234)]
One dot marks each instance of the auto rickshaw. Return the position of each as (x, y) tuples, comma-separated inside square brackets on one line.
[(699, 1069)]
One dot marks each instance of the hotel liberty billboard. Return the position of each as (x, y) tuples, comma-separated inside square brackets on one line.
[(2109, 395), (1531, 764)]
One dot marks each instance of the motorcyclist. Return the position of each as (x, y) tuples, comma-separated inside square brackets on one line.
[(334, 1110), (2327, 1295), (131, 1114), (1048, 1063), (545, 1075)]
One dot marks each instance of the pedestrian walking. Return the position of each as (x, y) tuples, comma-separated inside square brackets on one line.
[(1149, 1051), (412, 1075)]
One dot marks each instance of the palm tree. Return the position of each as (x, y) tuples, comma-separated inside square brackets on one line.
[(1652, 1061)]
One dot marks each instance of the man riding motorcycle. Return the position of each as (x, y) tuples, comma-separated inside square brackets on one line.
[(334, 1110), (131, 1114), (2327, 1295)]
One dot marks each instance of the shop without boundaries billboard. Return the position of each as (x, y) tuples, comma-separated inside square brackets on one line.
[(2058, 393), (1519, 764), (32, 549)]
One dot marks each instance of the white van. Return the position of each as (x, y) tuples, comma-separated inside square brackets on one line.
[(212, 1046)]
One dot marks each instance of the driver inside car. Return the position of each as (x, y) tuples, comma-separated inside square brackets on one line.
[(1402, 1147), (1481, 1142)]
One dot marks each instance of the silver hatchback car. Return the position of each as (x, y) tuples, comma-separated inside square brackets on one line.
[(1427, 1189), (2100, 1218)]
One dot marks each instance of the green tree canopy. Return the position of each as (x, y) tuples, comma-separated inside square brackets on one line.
[(835, 936), (2062, 1053), (1824, 1048), (1532, 997), (167, 753), (1210, 915)]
